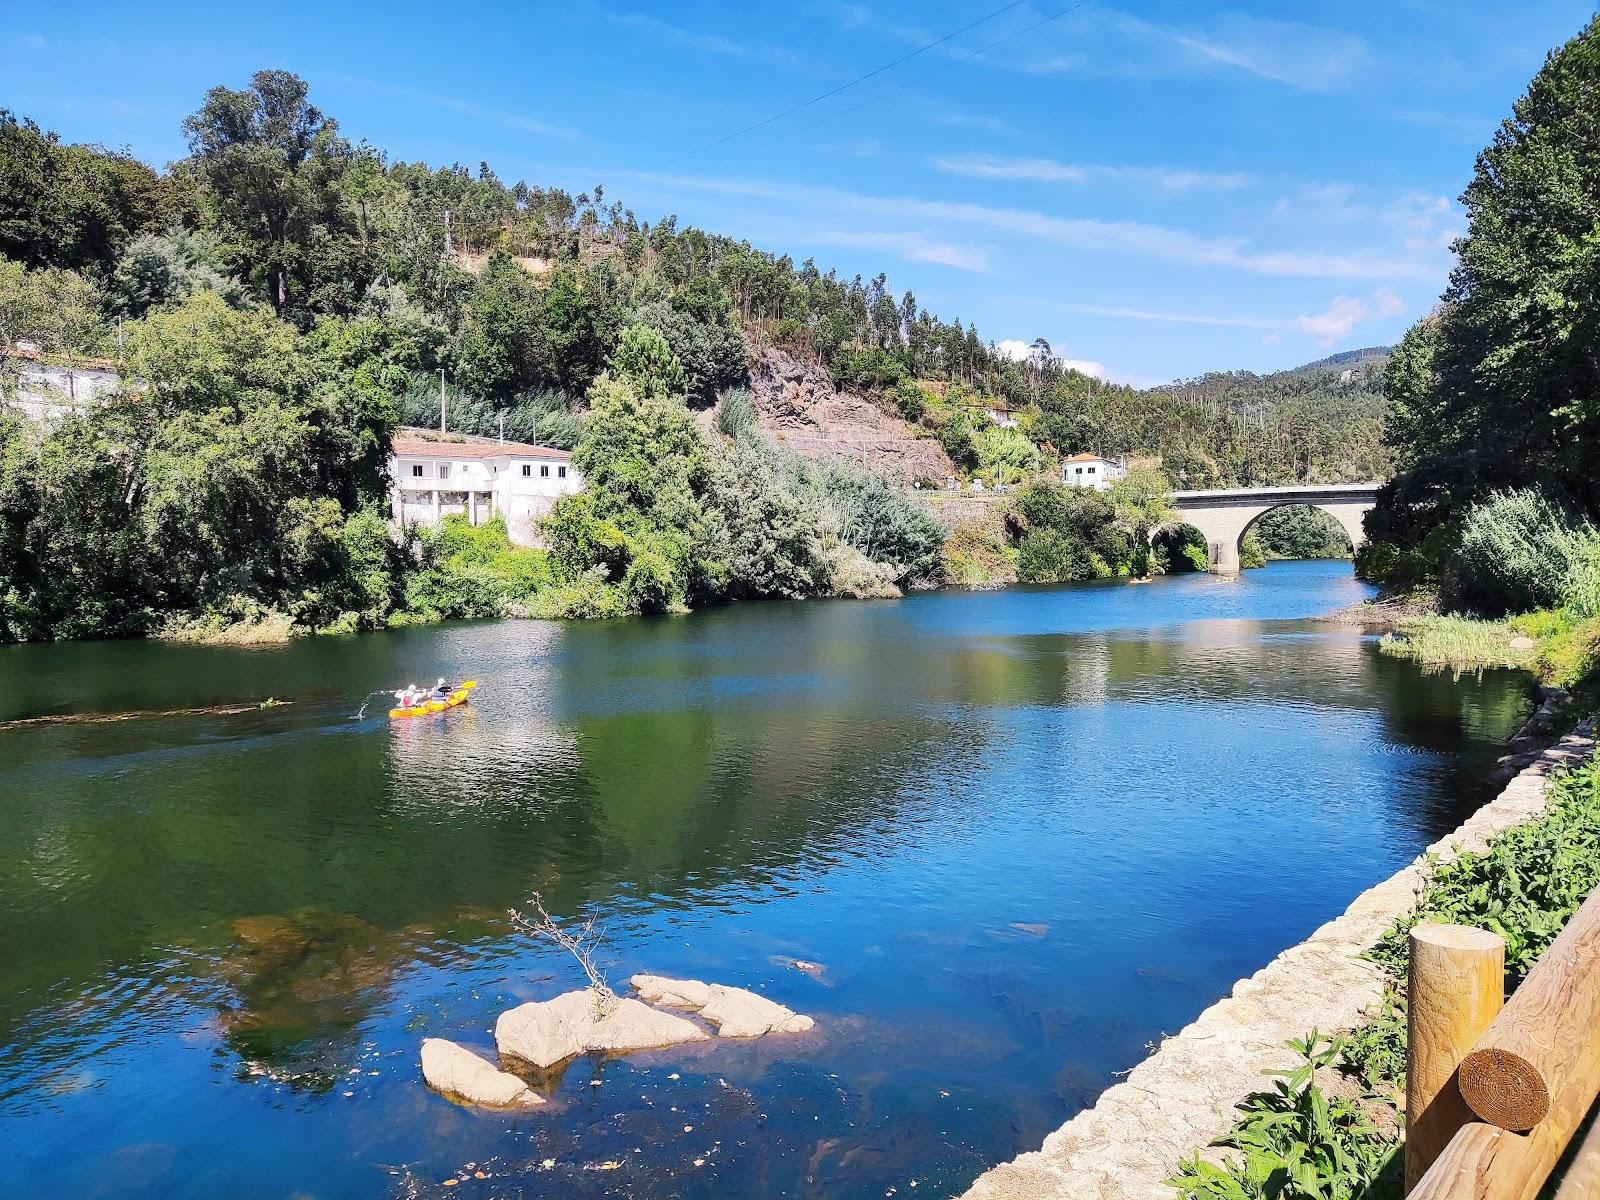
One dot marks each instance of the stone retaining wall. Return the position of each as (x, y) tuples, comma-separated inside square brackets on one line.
[(1184, 1096)]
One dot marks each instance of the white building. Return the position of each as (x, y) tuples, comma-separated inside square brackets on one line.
[(1090, 470), (436, 474), (50, 387)]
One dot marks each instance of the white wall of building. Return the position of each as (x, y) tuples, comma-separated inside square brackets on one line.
[(518, 486), (1086, 471)]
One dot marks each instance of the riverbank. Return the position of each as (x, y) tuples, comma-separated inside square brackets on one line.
[(1182, 1098)]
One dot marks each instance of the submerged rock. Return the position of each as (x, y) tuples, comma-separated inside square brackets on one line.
[(734, 1011), (462, 1075), (551, 1031)]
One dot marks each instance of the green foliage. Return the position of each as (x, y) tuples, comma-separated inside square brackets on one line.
[(1499, 389), (1251, 552), (1295, 1142), (59, 310), (273, 165), (1005, 455), (1459, 643), (163, 269), (1517, 553), (1300, 531), (910, 400), (711, 352), (1524, 886), (1376, 1050), (74, 207), (644, 362), (1068, 533)]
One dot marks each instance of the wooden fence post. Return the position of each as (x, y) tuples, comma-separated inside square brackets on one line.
[(1456, 987), (1539, 1063)]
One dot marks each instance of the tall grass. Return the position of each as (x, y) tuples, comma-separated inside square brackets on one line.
[(1459, 643), (1517, 553)]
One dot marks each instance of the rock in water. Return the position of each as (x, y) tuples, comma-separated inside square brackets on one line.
[(552, 1031), (734, 1011), (462, 1075)]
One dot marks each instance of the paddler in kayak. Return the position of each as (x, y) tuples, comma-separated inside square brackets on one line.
[(408, 696), (441, 690)]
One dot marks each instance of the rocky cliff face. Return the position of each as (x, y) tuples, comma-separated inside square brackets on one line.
[(800, 409)]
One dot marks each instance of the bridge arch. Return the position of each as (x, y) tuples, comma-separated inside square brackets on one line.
[(1224, 516)]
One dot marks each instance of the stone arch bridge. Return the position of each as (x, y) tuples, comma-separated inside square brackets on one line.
[(1223, 517)]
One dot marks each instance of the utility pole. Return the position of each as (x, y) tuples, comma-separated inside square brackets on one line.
[(502, 425), (441, 401)]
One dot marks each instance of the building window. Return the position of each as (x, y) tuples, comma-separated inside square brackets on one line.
[(561, 471), (1077, 470), (1091, 470), (416, 470), (444, 470), (544, 471), (527, 470)]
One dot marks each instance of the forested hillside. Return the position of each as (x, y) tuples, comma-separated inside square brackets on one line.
[(282, 297)]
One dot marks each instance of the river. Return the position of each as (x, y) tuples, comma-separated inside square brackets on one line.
[(1024, 833)]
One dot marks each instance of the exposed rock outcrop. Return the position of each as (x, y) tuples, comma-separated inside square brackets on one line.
[(462, 1075), (734, 1011), (800, 409), (548, 1032)]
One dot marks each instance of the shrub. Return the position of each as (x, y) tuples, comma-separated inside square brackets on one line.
[(1251, 553), (1516, 553), (1582, 592), (910, 399)]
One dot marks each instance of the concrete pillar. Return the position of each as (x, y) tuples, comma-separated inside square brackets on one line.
[(435, 506), (472, 507), (1225, 556)]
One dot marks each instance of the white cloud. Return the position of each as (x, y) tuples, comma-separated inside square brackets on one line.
[(1103, 237), (710, 42), (913, 247), (1141, 314), (1044, 170), (1344, 313), (468, 108), (1018, 350)]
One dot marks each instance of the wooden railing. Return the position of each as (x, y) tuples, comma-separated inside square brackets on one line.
[(1496, 1094)]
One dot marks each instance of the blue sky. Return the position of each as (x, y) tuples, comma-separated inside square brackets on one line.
[(1159, 188)]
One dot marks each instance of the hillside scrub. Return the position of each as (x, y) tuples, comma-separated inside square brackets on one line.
[(288, 295)]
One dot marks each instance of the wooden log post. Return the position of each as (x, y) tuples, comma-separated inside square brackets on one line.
[(1455, 989), (1537, 1067)]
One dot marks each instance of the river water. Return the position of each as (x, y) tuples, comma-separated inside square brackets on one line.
[(1024, 833)]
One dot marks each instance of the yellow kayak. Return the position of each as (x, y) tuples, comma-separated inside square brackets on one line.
[(459, 696)]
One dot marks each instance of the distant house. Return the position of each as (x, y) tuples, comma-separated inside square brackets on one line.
[(1002, 414), (48, 387), (1090, 470), (436, 474)]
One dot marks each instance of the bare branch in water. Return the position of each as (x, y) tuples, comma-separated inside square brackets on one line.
[(581, 942)]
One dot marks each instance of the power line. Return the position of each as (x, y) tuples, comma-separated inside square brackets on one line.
[(888, 66), (899, 87)]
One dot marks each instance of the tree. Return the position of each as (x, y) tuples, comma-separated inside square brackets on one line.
[(1501, 386), (272, 164), (72, 206)]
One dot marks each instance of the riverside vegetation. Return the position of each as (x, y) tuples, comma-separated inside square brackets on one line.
[(277, 301)]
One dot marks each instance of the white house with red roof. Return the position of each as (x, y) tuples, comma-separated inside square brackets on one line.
[(435, 474)]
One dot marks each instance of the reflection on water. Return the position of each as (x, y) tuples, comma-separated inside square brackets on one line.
[(1023, 832)]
